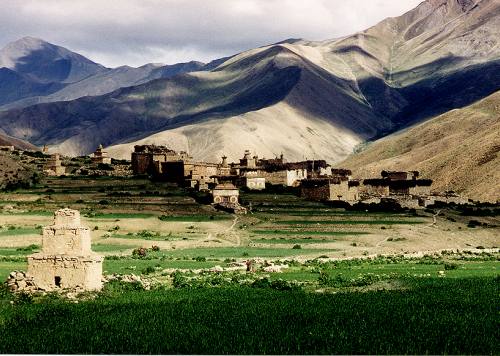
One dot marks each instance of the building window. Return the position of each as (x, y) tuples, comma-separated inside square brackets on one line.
[(57, 281)]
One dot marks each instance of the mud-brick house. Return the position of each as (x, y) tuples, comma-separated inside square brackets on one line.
[(339, 188), (189, 174), (397, 183), (148, 159), (274, 171), (66, 260), (287, 174)]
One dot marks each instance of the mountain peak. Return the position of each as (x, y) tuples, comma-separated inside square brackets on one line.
[(46, 62), (29, 40), (14, 50)]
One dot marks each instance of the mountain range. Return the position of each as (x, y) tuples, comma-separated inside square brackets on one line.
[(306, 99)]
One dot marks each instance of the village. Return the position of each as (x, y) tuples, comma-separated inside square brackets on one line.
[(314, 179)]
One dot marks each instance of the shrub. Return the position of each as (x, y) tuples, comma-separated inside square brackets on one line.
[(23, 298), (28, 248), (155, 248), (148, 270), (448, 266), (296, 247), (4, 291), (261, 283), (179, 280), (280, 284), (147, 235), (139, 252), (119, 287), (105, 167)]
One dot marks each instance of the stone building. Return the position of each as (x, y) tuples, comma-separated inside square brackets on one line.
[(100, 156), (148, 159), (288, 175), (54, 166), (274, 171), (189, 174), (66, 260), (248, 161), (397, 183), (403, 188), (339, 188)]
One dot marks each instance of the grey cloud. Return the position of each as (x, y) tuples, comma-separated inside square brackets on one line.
[(133, 32)]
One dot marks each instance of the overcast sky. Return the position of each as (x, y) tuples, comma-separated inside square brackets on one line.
[(135, 32)]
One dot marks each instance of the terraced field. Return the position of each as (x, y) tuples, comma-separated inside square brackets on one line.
[(125, 214)]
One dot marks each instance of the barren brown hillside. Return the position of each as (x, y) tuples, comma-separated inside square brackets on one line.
[(13, 173), (458, 150), (17, 143)]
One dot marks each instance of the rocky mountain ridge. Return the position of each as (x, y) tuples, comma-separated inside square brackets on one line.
[(305, 99)]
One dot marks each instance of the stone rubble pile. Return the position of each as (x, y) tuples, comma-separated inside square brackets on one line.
[(128, 278), (18, 281)]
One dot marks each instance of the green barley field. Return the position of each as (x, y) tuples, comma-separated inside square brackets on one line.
[(436, 316)]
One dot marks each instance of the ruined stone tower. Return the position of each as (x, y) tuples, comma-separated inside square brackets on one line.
[(66, 260)]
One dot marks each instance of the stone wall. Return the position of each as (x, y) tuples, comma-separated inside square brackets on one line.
[(319, 193), (420, 190), (378, 190)]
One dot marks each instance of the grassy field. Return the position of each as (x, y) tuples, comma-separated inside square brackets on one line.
[(436, 316), (331, 298), (348, 222), (20, 231)]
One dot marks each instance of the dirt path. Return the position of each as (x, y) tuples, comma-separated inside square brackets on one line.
[(230, 230)]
